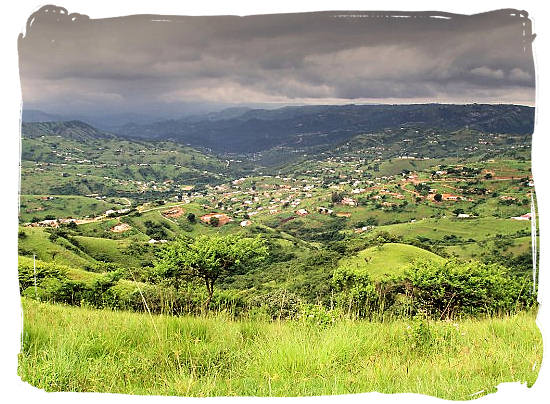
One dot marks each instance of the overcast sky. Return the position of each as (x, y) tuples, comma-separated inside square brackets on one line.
[(70, 63)]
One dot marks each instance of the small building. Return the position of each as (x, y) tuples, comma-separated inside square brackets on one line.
[(349, 201), (245, 223), (302, 212), (324, 211), (526, 216)]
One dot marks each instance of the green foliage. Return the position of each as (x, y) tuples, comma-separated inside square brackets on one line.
[(155, 230), (317, 315), (43, 271), (356, 292), (207, 258), (455, 288)]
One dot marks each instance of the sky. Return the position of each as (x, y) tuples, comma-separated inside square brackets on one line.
[(175, 64)]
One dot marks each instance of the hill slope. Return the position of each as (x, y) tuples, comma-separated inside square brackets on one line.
[(388, 259), (304, 126)]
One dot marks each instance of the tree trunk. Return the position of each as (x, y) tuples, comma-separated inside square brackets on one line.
[(210, 291)]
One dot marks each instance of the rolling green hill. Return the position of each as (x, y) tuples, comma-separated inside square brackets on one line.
[(387, 260)]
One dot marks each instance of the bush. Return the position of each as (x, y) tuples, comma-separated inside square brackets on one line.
[(454, 288), (43, 271), (357, 293)]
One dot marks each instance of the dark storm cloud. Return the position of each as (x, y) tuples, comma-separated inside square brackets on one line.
[(73, 62)]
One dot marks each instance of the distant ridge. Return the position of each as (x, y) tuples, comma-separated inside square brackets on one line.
[(76, 130), (260, 129)]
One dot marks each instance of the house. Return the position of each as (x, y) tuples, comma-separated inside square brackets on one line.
[(245, 223), (526, 216), (463, 215), (153, 241), (349, 201), (362, 229), (450, 197), (324, 211), (302, 212)]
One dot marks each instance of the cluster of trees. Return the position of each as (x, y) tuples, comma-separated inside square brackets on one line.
[(436, 290), (194, 275)]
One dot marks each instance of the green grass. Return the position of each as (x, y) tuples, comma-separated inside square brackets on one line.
[(388, 259), (477, 229), (79, 349), (65, 206), (37, 242)]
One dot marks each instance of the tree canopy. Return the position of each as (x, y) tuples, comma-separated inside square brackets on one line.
[(208, 258)]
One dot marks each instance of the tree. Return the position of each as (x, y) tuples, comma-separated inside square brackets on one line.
[(214, 221), (191, 218), (438, 197), (208, 258), (336, 197)]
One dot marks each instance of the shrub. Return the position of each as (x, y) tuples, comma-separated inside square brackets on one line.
[(454, 288)]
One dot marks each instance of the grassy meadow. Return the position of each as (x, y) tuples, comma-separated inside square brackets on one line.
[(81, 349)]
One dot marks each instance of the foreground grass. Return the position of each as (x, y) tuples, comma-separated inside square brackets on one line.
[(77, 349)]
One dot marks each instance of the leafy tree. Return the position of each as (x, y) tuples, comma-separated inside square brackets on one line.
[(438, 197), (191, 218), (214, 221), (208, 258), (336, 197)]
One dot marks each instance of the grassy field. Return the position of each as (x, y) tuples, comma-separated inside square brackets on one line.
[(388, 259), (36, 241), (477, 229), (65, 206), (79, 349)]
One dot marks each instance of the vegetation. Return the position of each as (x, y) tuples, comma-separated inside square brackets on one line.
[(207, 259), (319, 265), (80, 349)]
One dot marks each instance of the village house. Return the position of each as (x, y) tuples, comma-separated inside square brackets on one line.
[(302, 212), (526, 216), (153, 241), (450, 197), (349, 201), (324, 211)]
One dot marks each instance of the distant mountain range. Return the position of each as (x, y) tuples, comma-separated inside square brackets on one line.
[(245, 130), (257, 130), (107, 122)]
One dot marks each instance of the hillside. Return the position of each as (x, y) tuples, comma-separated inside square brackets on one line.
[(73, 130), (308, 126), (74, 158), (387, 260)]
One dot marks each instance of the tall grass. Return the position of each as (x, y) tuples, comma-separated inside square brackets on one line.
[(78, 349)]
